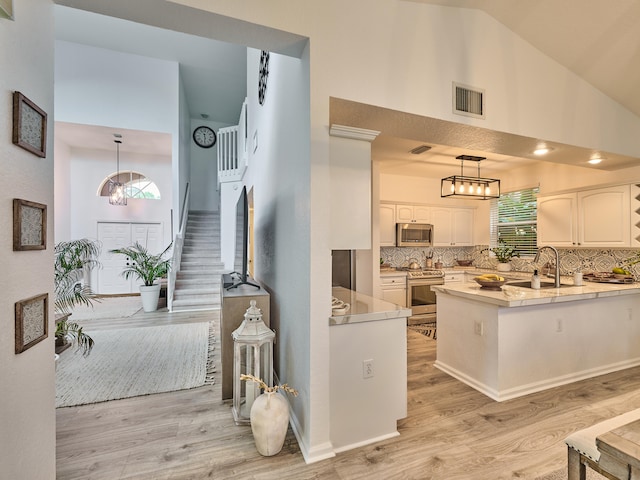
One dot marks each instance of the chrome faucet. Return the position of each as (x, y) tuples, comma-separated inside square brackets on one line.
[(555, 251)]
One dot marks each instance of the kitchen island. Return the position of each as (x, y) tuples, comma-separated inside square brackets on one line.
[(517, 340), (368, 370)]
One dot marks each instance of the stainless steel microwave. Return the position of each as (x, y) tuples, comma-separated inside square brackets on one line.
[(414, 235)]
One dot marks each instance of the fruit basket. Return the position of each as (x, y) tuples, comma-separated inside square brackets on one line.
[(494, 282)]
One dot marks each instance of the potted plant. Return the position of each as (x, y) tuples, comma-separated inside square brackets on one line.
[(269, 416), (504, 253), (147, 267), (71, 260)]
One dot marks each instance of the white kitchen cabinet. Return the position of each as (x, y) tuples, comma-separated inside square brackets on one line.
[(557, 219), (604, 217), (452, 226), (454, 277), (413, 214), (394, 288), (590, 218), (387, 224)]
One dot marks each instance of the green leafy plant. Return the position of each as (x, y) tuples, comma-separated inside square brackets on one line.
[(70, 331), (144, 265), (503, 252), (71, 259)]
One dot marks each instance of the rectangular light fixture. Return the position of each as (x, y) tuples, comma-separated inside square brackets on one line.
[(470, 187)]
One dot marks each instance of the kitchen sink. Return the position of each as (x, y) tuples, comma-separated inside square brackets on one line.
[(527, 284)]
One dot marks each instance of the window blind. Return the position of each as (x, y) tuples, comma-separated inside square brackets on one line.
[(513, 220)]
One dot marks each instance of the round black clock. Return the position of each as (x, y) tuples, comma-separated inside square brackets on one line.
[(204, 137), (263, 73)]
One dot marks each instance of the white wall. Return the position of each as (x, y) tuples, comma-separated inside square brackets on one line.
[(27, 395), (404, 57), (204, 171), (96, 86), (280, 179)]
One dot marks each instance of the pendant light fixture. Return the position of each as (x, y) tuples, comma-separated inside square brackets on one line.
[(470, 187), (117, 193)]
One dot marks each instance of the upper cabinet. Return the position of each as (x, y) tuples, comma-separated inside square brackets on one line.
[(387, 224), (453, 226), (590, 218), (413, 214)]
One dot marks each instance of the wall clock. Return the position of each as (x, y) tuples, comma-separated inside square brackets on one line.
[(263, 73), (204, 137)]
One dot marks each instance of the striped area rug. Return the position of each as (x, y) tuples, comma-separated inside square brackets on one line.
[(135, 361)]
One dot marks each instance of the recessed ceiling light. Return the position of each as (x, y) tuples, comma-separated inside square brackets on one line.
[(595, 161), (542, 150)]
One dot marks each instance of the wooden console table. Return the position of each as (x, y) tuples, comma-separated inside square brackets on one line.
[(620, 451), (234, 305)]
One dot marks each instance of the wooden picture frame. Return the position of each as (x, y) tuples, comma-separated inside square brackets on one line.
[(29, 225), (32, 321), (6, 9), (29, 125)]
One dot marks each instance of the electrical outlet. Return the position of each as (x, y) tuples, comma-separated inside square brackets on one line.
[(367, 368), (558, 325), (478, 327)]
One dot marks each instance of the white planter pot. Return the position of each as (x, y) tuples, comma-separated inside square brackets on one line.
[(504, 267), (269, 423), (150, 296)]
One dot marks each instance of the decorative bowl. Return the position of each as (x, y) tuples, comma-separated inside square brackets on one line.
[(490, 284), (464, 263)]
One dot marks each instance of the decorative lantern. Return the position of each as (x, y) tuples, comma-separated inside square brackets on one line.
[(252, 355)]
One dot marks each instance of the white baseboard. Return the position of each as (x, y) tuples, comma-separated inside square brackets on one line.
[(526, 389)]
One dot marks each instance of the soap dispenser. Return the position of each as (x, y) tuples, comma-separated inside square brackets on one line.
[(535, 280)]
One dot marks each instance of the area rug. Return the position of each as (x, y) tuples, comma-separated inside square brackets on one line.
[(108, 307), (561, 474), (426, 329), (136, 361)]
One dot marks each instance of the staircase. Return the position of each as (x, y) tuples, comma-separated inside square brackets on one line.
[(198, 280)]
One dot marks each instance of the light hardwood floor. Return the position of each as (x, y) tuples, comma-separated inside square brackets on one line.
[(452, 431)]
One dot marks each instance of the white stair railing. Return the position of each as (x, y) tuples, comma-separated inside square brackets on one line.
[(232, 149), (178, 243)]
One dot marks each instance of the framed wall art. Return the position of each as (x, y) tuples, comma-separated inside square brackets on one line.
[(29, 125), (29, 225), (31, 321), (6, 9)]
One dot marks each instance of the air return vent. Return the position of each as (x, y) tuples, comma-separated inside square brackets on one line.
[(468, 101)]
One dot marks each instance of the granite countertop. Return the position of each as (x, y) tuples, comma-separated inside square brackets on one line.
[(512, 296), (364, 308)]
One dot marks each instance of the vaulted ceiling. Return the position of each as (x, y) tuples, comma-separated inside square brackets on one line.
[(597, 39)]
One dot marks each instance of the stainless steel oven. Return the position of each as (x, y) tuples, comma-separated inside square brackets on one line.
[(420, 296)]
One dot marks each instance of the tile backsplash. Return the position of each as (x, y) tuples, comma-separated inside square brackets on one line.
[(571, 259)]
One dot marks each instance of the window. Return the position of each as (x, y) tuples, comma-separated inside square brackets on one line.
[(514, 221), (136, 186)]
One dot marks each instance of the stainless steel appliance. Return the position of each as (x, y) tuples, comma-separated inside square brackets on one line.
[(420, 296), (343, 268), (414, 235)]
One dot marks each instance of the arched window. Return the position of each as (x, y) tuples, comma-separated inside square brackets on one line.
[(136, 185)]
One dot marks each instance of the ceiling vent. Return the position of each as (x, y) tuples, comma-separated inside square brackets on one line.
[(468, 101), (420, 149)]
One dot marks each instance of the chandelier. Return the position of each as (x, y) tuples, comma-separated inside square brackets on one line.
[(471, 187), (117, 193)]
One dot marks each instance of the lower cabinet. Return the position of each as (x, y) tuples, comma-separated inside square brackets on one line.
[(394, 289)]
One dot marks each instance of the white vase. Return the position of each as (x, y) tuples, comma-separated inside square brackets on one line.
[(504, 267), (269, 422), (150, 296)]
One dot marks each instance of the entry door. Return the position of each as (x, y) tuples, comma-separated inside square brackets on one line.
[(114, 235)]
